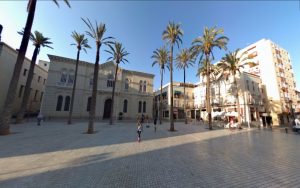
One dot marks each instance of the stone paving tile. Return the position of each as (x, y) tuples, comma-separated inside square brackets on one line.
[(60, 155)]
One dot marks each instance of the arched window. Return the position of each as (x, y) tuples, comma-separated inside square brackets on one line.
[(140, 106), (64, 75), (141, 86), (145, 86), (67, 103), (144, 107), (88, 106), (126, 84), (59, 103), (71, 77), (125, 106)]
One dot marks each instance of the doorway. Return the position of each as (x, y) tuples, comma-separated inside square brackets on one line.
[(107, 109)]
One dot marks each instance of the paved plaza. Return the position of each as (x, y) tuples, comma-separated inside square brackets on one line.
[(60, 155)]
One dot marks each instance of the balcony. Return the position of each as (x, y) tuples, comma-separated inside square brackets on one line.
[(64, 84)]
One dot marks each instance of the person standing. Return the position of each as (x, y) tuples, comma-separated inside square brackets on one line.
[(39, 118), (155, 120), (139, 130)]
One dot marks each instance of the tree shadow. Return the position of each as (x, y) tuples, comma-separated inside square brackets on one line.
[(228, 161), (53, 137)]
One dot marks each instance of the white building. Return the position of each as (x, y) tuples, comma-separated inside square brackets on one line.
[(223, 97), (133, 94), (274, 67)]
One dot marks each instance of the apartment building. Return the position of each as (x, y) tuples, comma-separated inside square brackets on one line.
[(223, 97), (178, 92), (275, 69), (133, 93), (8, 57)]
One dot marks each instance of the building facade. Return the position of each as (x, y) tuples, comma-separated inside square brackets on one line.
[(133, 93), (223, 98), (178, 100), (8, 57), (274, 67)]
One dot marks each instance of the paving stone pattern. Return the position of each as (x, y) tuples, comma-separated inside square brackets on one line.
[(60, 155)]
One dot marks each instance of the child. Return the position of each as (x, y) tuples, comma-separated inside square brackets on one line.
[(139, 130)]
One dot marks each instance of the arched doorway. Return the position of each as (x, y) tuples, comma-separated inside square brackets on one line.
[(107, 109)]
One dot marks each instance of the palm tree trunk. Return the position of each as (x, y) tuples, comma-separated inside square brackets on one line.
[(171, 92), (113, 96), (73, 90), (26, 95), (184, 100), (208, 106), (237, 101), (94, 92), (10, 96), (160, 102)]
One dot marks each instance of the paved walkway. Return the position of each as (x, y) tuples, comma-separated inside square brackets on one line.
[(60, 155)]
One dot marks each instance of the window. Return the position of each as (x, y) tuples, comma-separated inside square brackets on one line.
[(247, 82), (141, 86), (125, 106), (67, 103), (44, 81), (253, 88), (21, 91), (145, 85), (63, 78), (41, 97), (39, 78), (35, 94), (71, 78), (88, 106), (140, 106), (59, 103), (126, 84), (110, 81), (24, 72), (91, 82), (144, 107)]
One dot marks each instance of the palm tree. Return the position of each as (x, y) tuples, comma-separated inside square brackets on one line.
[(160, 57), (81, 43), (203, 46), (118, 53), (38, 41), (96, 33), (184, 59), (232, 63), (10, 96), (172, 35)]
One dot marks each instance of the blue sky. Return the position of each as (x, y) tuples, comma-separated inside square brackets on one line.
[(139, 26)]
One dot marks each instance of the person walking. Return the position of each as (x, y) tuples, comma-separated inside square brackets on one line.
[(139, 130), (39, 118), (155, 120)]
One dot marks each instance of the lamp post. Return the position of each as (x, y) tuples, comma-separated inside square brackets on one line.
[(1, 27)]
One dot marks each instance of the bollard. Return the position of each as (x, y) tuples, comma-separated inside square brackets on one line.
[(286, 130)]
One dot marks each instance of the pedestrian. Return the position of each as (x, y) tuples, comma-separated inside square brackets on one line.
[(39, 118), (139, 130), (147, 121), (155, 120)]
